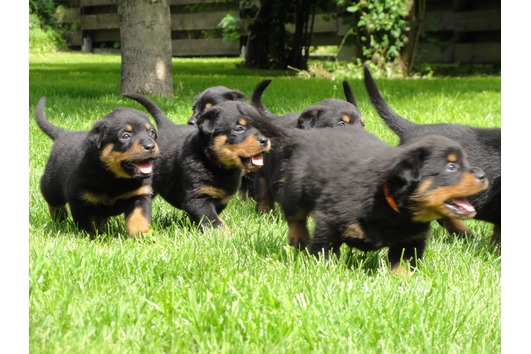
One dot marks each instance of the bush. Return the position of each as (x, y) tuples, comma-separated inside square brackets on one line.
[(44, 39)]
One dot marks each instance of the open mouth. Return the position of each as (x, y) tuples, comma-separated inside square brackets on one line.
[(143, 168), (253, 163), (461, 208)]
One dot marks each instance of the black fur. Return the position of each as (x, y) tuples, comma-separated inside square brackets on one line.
[(483, 146), (369, 195), (102, 172), (211, 97), (200, 166)]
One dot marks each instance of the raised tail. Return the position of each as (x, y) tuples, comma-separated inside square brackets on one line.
[(348, 94), (160, 117), (256, 98), (48, 128), (395, 122)]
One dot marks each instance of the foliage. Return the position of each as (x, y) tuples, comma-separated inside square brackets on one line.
[(378, 28), (230, 25), (43, 39)]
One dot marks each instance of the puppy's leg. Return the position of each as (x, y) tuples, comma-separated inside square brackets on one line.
[(85, 219), (325, 240), (495, 238), (138, 216), (203, 212), (58, 213), (457, 227), (406, 253), (262, 195), (298, 235)]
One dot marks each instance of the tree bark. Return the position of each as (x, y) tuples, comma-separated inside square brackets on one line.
[(145, 35), (416, 10)]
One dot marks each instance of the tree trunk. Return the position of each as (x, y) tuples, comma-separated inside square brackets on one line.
[(257, 49), (416, 10), (145, 35)]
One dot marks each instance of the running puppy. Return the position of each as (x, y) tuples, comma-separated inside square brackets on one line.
[(482, 145), (211, 97), (102, 172), (200, 167), (369, 195)]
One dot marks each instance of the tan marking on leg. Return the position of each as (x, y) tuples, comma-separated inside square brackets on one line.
[(58, 213), (136, 223), (298, 234)]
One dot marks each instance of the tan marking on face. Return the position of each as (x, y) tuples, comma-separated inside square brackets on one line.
[(103, 199), (242, 121), (345, 118), (230, 155), (452, 157), (353, 231), (128, 128), (136, 223), (208, 105), (148, 127), (113, 159), (430, 204)]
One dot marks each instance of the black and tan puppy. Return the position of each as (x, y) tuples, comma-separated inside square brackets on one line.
[(200, 166), (103, 172), (482, 145), (211, 97), (322, 114), (369, 195), (328, 113)]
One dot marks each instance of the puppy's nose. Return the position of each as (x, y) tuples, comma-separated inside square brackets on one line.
[(149, 146), (263, 140), (478, 173)]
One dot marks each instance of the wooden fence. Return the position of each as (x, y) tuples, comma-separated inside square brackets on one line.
[(454, 31)]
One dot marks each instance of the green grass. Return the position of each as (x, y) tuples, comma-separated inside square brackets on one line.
[(178, 290)]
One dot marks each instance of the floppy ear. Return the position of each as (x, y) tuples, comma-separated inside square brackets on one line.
[(234, 96), (207, 121), (307, 119), (405, 174), (96, 134)]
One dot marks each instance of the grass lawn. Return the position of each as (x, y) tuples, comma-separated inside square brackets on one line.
[(178, 290)]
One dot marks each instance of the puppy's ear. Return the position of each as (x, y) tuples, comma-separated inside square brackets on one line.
[(207, 121), (234, 96), (96, 134), (406, 173), (308, 119)]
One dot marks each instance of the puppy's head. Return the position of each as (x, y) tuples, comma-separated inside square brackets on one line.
[(211, 97), (431, 179), (330, 113), (125, 141), (230, 129)]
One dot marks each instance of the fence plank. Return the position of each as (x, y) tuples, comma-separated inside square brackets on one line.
[(206, 46)]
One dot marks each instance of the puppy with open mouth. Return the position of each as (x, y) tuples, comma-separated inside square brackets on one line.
[(102, 172), (200, 166)]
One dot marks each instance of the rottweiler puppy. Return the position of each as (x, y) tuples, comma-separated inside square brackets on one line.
[(200, 167), (369, 195), (322, 114), (102, 172), (327, 113), (483, 146), (211, 97)]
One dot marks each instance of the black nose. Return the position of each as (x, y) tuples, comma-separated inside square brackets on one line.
[(148, 146), (263, 140), (478, 173)]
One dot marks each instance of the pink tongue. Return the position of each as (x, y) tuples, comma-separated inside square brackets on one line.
[(257, 160), (463, 204), (145, 168)]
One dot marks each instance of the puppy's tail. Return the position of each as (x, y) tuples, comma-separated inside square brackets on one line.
[(397, 124), (160, 117), (48, 128), (256, 98), (348, 94)]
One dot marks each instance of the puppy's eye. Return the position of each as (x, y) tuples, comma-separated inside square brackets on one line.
[(452, 167), (152, 133), (341, 123), (239, 128), (125, 135)]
